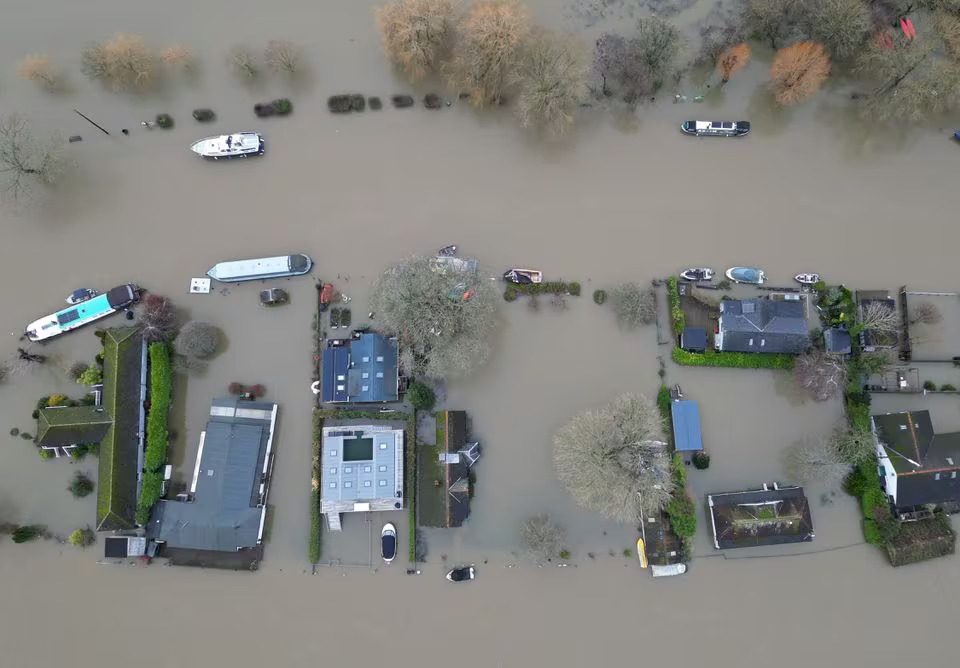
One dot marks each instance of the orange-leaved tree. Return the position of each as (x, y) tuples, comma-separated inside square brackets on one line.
[(416, 34), (732, 58), (798, 71)]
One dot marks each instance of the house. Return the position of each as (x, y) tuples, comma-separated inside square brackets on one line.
[(769, 516), (837, 341), (220, 521), (878, 302), (762, 326), (364, 369), (694, 339), (918, 467), (456, 455), (121, 449), (65, 426), (362, 470), (686, 425)]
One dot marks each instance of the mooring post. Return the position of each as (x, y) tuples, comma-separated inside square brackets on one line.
[(88, 120)]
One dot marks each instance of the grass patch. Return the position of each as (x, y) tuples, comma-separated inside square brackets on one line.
[(161, 384), (433, 501), (733, 360), (677, 319)]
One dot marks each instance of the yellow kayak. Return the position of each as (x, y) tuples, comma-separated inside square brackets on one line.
[(641, 553)]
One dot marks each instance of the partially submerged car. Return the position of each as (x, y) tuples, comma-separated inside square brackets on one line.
[(462, 574), (274, 296)]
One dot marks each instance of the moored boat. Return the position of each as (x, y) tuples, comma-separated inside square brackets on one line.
[(697, 274), (235, 271), (807, 279), (447, 251), (81, 295), (641, 553), (523, 276), (715, 128), (237, 145), (82, 313), (749, 275)]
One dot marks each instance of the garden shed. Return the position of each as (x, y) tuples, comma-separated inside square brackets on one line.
[(686, 425)]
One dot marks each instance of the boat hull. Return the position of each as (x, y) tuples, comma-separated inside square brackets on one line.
[(697, 274), (806, 279), (214, 148), (236, 271), (523, 276), (83, 313), (715, 128), (746, 275)]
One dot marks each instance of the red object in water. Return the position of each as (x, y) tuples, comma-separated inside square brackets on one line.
[(906, 25), (327, 293)]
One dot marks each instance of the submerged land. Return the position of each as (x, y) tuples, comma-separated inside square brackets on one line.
[(809, 190)]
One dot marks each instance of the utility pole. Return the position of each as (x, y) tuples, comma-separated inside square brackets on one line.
[(88, 120)]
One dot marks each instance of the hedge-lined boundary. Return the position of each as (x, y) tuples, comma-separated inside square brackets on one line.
[(733, 360), (161, 384)]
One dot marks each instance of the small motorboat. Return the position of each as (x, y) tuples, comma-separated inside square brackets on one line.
[(237, 145), (388, 542), (462, 574), (749, 275), (447, 251), (697, 274), (641, 553), (807, 279), (81, 295), (715, 128), (523, 276)]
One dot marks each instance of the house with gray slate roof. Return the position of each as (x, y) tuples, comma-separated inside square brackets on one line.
[(762, 326), (226, 507)]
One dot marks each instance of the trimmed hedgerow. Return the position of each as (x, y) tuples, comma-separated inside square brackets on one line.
[(733, 360), (677, 319), (161, 383)]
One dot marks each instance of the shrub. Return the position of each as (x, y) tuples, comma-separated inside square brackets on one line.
[(733, 360), (45, 454), (283, 106), (701, 460), (177, 57), (149, 495), (929, 385), (599, 296), (27, 436), (432, 101), (76, 370), (39, 69), (573, 289), (683, 517), (92, 375), (157, 435), (416, 34), (122, 63), (677, 320), (634, 305), (243, 62), (26, 533), (402, 101), (204, 115), (57, 400), (14, 431), (282, 56), (82, 537), (198, 339), (663, 403), (375, 103), (236, 389), (263, 110), (339, 104), (947, 387), (511, 293), (80, 486), (420, 396), (678, 471), (316, 527)]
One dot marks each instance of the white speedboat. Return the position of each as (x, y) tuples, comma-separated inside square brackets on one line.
[(81, 295), (697, 274), (238, 145), (715, 128), (807, 279), (749, 275)]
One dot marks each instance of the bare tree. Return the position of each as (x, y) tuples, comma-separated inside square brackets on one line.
[(40, 70), (816, 460), (445, 318), (177, 57), (28, 167), (552, 81), (636, 67), (416, 34), (491, 38), (198, 339), (878, 316), (798, 71), (611, 458), (124, 62), (157, 318), (821, 375), (840, 25), (243, 62), (282, 56), (542, 537), (853, 446), (634, 305), (926, 313), (771, 21)]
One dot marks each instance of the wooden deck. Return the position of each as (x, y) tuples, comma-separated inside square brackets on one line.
[(698, 312)]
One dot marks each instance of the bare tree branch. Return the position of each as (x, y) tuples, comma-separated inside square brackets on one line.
[(816, 460), (823, 376), (877, 316), (542, 537), (416, 34), (926, 313), (28, 166)]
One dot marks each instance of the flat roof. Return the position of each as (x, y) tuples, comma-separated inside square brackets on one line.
[(349, 484), (686, 425)]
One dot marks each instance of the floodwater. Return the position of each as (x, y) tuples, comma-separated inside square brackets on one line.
[(808, 191)]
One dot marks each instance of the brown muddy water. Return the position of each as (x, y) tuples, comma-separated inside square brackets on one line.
[(808, 191)]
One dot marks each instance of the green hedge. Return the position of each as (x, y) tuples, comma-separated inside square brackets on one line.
[(316, 518), (161, 385), (683, 516), (677, 319), (733, 360), (919, 541), (513, 290)]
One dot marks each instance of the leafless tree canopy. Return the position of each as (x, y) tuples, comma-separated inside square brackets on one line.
[(542, 537), (243, 62), (416, 34), (122, 63), (634, 305), (853, 446), (491, 37), (821, 375), (552, 82), (840, 25), (40, 70), (816, 460), (632, 68), (177, 57), (28, 166), (926, 313), (197, 339), (282, 56), (608, 458), (877, 316), (157, 318), (772, 21), (442, 334)]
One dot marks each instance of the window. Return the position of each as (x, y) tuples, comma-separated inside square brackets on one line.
[(382, 469), (348, 484), (365, 388), (383, 446), (936, 476), (333, 470), (367, 469), (365, 375), (382, 483), (366, 483), (953, 475), (365, 359), (379, 358), (341, 377), (348, 469), (333, 485), (333, 453), (379, 374)]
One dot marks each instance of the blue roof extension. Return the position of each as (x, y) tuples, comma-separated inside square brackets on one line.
[(686, 425)]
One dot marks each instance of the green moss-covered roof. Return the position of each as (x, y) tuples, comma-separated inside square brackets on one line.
[(72, 425), (117, 489)]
